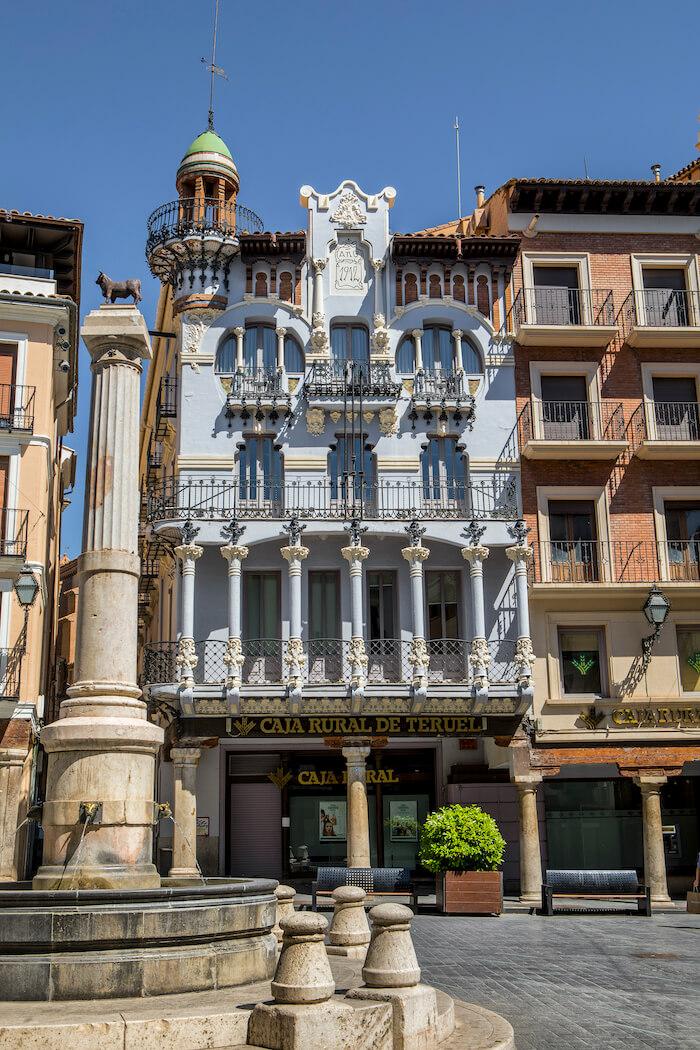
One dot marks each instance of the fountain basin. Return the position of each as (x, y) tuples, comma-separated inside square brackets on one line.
[(106, 944)]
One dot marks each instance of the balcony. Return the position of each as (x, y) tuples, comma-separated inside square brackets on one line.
[(616, 562), (328, 662), (662, 317), (336, 380), (166, 405), (13, 541), (563, 317), (17, 408), (668, 430), (583, 430), (10, 668), (327, 499), (256, 388)]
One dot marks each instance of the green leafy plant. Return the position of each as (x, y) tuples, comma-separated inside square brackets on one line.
[(461, 838)]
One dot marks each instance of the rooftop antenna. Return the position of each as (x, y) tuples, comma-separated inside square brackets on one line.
[(585, 165), (214, 70), (459, 174)]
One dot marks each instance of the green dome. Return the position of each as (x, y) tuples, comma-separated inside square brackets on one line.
[(209, 142)]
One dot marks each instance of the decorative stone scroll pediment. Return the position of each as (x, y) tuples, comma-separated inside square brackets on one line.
[(348, 213)]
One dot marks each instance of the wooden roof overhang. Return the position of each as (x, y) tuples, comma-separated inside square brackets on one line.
[(452, 248), (602, 197), (61, 239), (254, 245)]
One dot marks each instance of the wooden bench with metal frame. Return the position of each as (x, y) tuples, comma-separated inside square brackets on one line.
[(602, 885), (376, 882)]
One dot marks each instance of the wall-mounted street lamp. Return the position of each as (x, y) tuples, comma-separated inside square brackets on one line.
[(26, 588), (656, 609)]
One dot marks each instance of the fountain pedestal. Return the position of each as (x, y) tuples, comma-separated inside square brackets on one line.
[(99, 811)]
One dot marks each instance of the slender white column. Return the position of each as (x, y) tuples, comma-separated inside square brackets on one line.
[(294, 553), (417, 334), (654, 854), (355, 554), (415, 555), (239, 332), (186, 659), (480, 658), (234, 553), (530, 854), (185, 761), (378, 266), (280, 333), (319, 266), (358, 815), (521, 554), (319, 336), (457, 336)]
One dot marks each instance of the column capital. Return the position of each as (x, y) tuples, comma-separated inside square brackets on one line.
[(457, 334), (319, 265), (519, 552), (239, 330), (117, 335), (527, 783), (417, 333), (188, 551), (294, 552), (650, 782), (357, 754), (185, 756), (233, 552), (416, 554), (475, 554), (280, 332), (355, 552), (377, 265)]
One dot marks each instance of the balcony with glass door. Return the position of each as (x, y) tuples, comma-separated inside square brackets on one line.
[(565, 424), (556, 311), (664, 312), (349, 377), (671, 420)]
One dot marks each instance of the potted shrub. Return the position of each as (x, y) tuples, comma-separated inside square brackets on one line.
[(464, 848)]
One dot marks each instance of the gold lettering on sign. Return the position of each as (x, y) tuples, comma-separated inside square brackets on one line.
[(653, 717), (328, 778)]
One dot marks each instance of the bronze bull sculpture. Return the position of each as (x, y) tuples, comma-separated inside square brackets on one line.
[(112, 290)]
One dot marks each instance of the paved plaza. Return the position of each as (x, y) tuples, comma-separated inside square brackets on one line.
[(574, 982)]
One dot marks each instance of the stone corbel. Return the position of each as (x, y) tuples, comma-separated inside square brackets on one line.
[(418, 659), (480, 659), (294, 659), (380, 338), (234, 660), (358, 659)]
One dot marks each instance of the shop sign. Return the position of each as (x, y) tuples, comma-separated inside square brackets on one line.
[(367, 725), (653, 717), (325, 777)]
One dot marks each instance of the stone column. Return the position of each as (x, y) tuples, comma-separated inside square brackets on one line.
[(319, 336), (239, 333), (521, 555), (186, 660), (530, 856), (12, 761), (417, 334), (280, 333), (479, 655), (355, 554), (358, 816), (457, 334), (294, 553), (654, 854), (415, 555), (234, 553), (378, 266), (185, 761), (101, 751)]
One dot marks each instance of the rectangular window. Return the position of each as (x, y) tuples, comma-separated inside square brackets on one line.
[(261, 628), (349, 342), (556, 296), (665, 296), (325, 646), (581, 653), (442, 467), (573, 541), (351, 469), (565, 408), (443, 600), (676, 408), (689, 657), (381, 595), (260, 348), (683, 540), (260, 471)]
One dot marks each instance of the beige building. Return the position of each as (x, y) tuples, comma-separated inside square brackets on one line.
[(39, 296)]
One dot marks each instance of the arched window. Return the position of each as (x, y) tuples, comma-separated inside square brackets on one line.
[(261, 283), (434, 287), (471, 362), (411, 289), (349, 342), (437, 345), (483, 303), (226, 356), (406, 356), (458, 289), (285, 286), (293, 356)]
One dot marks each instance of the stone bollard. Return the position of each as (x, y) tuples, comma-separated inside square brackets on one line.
[(303, 974), (285, 906), (349, 933), (391, 958)]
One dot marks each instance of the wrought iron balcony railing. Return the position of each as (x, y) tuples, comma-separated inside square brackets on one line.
[(13, 532), (572, 421), (328, 662), (175, 500), (195, 216), (10, 670), (617, 561), (565, 307), (337, 378), (673, 421), (660, 308), (249, 384), (438, 385), (166, 407), (17, 407)]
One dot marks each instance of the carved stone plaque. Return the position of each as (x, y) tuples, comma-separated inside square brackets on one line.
[(349, 268)]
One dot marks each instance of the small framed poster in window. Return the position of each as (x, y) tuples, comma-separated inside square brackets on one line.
[(403, 820), (332, 821)]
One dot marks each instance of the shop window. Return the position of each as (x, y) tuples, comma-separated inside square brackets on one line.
[(581, 655), (689, 658)]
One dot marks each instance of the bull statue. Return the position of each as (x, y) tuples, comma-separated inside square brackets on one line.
[(112, 290)]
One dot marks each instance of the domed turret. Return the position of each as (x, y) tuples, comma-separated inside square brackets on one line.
[(207, 170)]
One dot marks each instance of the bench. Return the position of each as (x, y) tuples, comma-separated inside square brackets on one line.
[(594, 885), (382, 882)]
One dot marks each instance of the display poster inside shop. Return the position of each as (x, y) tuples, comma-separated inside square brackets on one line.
[(365, 725)]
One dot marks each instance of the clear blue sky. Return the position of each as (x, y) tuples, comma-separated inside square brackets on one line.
[(99, 100)]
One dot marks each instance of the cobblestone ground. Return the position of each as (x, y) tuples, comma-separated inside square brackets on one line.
[(573, 982)]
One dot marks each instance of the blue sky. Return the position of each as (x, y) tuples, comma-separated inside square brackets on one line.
[(98, 102)]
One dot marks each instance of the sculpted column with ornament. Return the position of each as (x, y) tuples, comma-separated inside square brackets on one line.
[(186, 659), (521, 556), (234, 553), (294, 553), (457, 334), (319, 336), (239, 333), (380, 333), (479, 656), (417, 334), (355, 554), (101, 750), (415, 555)]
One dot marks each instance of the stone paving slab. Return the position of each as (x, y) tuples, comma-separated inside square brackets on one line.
[(576, 982)]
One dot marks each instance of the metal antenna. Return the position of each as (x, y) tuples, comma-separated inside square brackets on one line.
[(459, 173), (585, 165), (214, 70)]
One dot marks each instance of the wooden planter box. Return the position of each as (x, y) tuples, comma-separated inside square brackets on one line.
[(472, 892)]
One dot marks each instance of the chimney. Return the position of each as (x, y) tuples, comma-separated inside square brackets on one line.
[(480, 191), (656, 168)]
